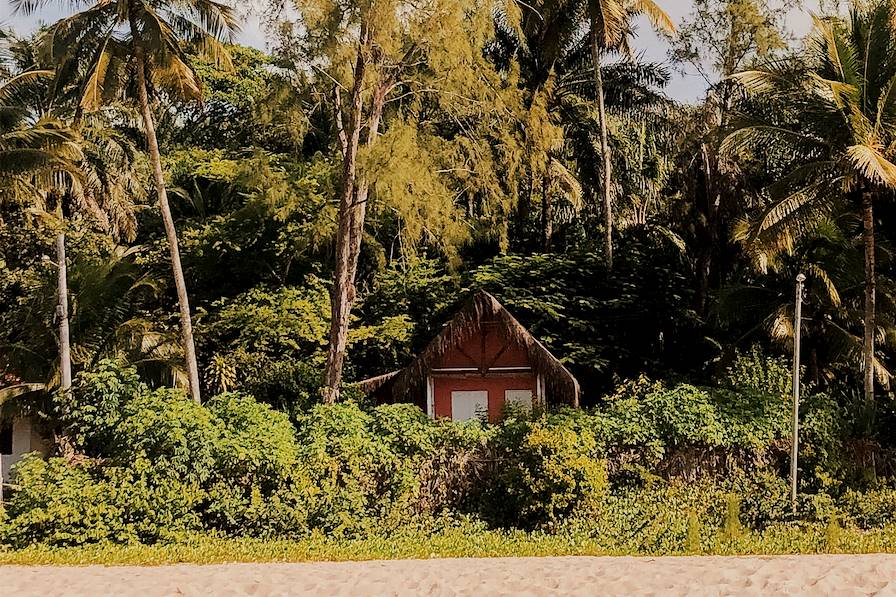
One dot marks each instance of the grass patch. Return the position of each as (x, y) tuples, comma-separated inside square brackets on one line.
[(451, 543)]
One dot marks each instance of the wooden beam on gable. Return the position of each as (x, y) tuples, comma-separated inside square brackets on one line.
[(499, 354), (461, 350)]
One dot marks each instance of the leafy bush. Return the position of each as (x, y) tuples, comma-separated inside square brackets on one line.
[(758, 373), (874, 508), (92, 411), (154, 466), (255, 446), (647, 428), (660, 517), (545, 474), (252, 490), (351, 477), (236, 512), (64, 504), (764, 498)]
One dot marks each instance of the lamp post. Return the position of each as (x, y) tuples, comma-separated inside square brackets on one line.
[(794, 448)]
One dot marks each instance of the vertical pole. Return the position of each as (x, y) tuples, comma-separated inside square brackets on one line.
[(797, 324), (65, 357)]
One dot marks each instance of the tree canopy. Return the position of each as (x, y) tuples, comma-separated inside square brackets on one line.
[(334, 199)]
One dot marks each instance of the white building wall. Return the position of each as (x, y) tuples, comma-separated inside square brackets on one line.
[(25, 439)]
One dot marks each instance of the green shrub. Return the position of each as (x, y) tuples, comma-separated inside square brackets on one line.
[(448, 459), (451, 475), (404, 428), (660, 517), (236, 512), (156, 465), (732, 529), (169, 429), (693, 540), (874, 508), (764, 498), (545, 474), (61, 504), (255, 445), (823, 456), (351, 477), (832, 534), (91, 412), (758, 373), (252, 492), (646, 423)]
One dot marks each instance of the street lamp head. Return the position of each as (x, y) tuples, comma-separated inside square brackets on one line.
[(45, 258), (800, 278)]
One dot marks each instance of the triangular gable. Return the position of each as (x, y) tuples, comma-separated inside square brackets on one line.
[(562, 387)]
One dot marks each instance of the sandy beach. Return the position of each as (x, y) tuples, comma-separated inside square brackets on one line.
[(779, 575)]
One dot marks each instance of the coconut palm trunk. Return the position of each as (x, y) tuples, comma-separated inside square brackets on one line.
[(180, 285), (606, 162), (870, 292), (65, 353), (547, 213)]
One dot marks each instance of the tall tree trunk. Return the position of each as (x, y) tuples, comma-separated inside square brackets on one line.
[(710, 224), (547, 215), (870, 291), (65, 354), (360, 204), (186, 325), (342, 294), (707, 227), (607, 164)]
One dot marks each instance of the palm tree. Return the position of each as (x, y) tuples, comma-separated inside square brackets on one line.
[(832, 262), (555, 66), (34, 151), (89, 169), (109, 289), (610, 30), (39, 156), (835, 117), (151, 55)]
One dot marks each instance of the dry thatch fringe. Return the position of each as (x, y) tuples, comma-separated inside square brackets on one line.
[(371, 385), (481, 307)]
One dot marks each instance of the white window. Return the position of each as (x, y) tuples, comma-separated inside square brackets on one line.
[(466, 405), (521, 398)]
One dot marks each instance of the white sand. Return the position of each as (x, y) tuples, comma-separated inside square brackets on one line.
[(781, 575)]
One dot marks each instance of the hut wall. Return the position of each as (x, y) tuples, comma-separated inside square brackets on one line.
[(495, 384)]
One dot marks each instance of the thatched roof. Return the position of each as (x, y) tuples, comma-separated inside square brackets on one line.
[(369, 386), (481, 307)]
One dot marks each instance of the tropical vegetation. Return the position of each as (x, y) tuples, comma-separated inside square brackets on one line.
[(204, 246)]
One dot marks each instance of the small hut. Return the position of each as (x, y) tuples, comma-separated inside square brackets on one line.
[(480, 361)]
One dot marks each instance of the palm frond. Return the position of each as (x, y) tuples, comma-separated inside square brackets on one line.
[(656, 15), (873, 164)]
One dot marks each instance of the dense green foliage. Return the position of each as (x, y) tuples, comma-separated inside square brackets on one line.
[(643, 473), (236, 466), (254, 172), (481, 173)]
